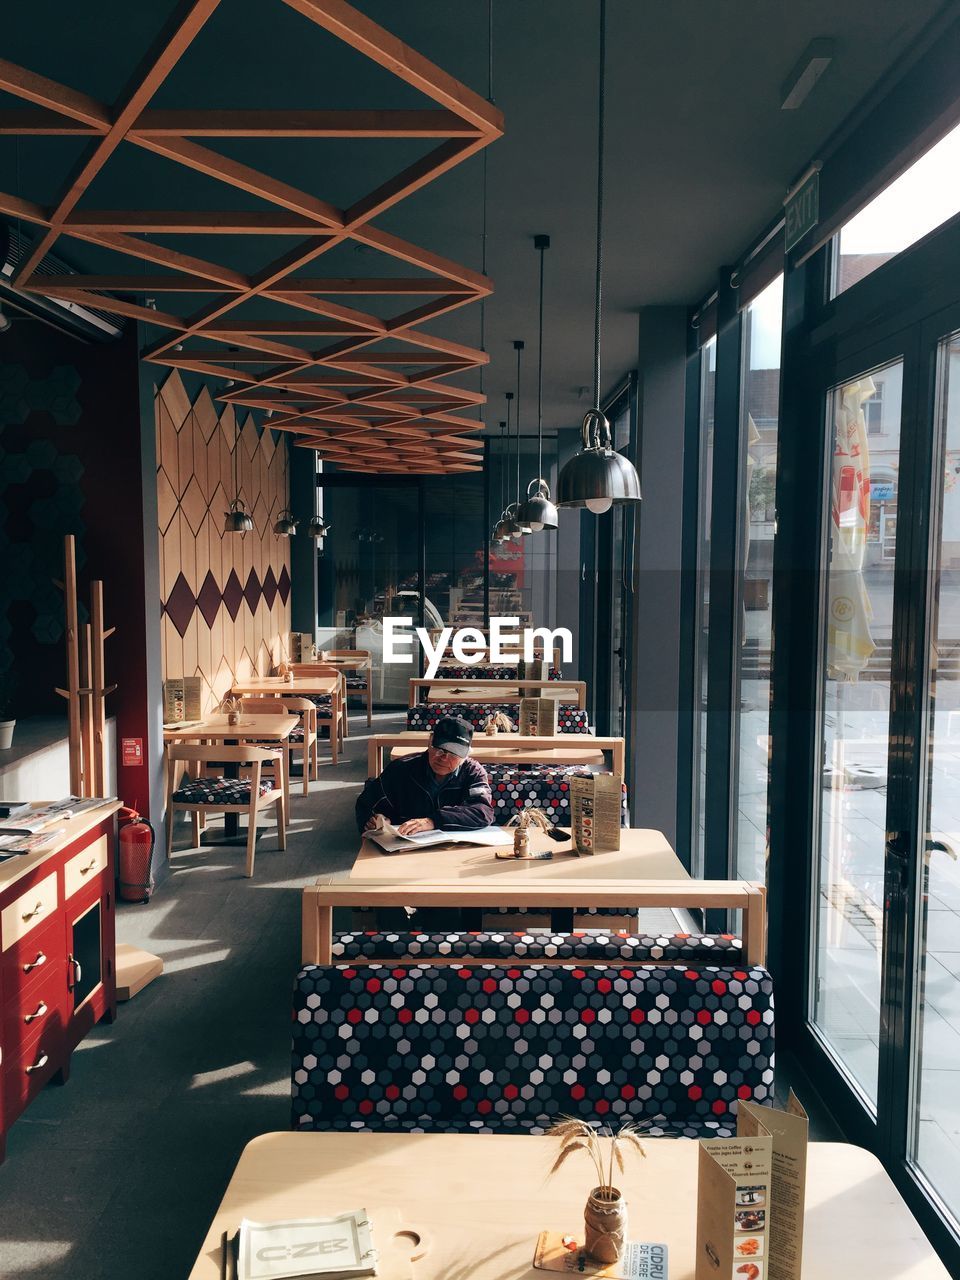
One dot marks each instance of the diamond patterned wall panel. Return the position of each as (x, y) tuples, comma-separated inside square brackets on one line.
[(225, 597)]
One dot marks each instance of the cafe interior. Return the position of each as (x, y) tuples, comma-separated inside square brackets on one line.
[(467, 697)]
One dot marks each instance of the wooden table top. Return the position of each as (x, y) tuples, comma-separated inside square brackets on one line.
[(277, 687), (479, 1201), (644, 854), (276, 727), (503, 755), (350, 664)]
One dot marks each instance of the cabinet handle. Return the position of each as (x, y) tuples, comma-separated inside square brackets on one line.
[(40, 1062), (35, 912), (89, 867), (40, 1010), (41, 959), (77, 971)]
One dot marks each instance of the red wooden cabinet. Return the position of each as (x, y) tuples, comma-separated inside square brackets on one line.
[(57, 957)]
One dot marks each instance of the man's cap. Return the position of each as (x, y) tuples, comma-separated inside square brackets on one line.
[(453, 734)]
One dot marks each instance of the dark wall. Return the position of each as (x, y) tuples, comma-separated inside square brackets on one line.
[(70, 462)]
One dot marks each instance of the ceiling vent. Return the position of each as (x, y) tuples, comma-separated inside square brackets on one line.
[(69, 317)]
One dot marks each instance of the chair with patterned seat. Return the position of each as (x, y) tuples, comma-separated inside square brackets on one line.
[(358, 682), (331, 711), (261, 787), (302, 738)]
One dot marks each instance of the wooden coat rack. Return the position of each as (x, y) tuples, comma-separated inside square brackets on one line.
[(86, 692)]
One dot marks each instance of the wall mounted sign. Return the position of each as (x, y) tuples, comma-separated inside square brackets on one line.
[(801, 211), (132, 751)]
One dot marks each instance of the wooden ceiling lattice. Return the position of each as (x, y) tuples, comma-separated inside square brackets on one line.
[(372, 394)]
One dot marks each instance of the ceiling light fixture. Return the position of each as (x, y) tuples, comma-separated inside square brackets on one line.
[(286, 526), (598, 476), (507, 526), (798, 85), (538, 511), (513, 511), (496, 535), (237, 519)]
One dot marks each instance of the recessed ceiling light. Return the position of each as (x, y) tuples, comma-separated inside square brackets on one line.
[(816, 58)]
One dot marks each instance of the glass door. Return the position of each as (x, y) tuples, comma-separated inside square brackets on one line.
[(933, 1147), (864, 419)]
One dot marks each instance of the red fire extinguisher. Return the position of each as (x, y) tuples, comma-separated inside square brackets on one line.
[(137, 840)]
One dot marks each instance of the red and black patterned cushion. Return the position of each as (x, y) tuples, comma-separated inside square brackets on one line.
[(570, 718), (538, 786), (357, 683), (485, 1048), (219, 790), (322, 701), (633, 948), (297, 734), (482, 671)]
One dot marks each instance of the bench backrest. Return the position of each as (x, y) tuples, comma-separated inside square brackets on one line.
[(484, 1047), (570, 718)]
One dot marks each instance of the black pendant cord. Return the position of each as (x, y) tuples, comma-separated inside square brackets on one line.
[(483, 197), (503, 469), (519, 347), (506, 458), (600, 140), (542, 243)]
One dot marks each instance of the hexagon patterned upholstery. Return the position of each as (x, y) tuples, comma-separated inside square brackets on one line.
[(540, 786), (485, 671), (570, 718), (484, 1048), (633, 948)]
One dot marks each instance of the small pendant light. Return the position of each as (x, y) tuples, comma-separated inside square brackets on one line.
[(285, 526), (507, 526), (495, 535), (237, 519), (598, 476), (538, 511), (521, 528)]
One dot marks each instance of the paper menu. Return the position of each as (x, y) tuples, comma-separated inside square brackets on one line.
[(751, 1196), (595, 804), (341, 1246), (789, 1133), (538, 717)]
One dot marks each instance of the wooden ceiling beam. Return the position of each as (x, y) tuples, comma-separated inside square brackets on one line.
[(300, 123), (303, 328), (174, 222), (380, 46), (179, 33), (180, 283), (380, 286), (57, 98)]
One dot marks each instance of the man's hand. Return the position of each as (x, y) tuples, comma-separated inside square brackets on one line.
[(415, 825), (371, 824)]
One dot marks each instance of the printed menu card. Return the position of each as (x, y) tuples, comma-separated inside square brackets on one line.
[(751, 1196)]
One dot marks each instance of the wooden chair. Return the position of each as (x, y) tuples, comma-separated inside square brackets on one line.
[(222, 794), (334, 719), (359, 682), (303, 738)]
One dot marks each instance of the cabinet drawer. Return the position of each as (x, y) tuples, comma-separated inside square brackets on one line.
[(30, 959), (24, 1077), (28, 911), (84, 867), (27, 1011)]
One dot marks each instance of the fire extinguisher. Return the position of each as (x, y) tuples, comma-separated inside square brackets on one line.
[(137, 840)]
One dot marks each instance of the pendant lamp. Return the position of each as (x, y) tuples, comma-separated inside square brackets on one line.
[(513, 511), (317, 527), (598, 476), (285, 526), (538, 510), (238, 518), (496, 535), (507, 526)]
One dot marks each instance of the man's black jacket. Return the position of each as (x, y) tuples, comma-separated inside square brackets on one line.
[(403, 791)]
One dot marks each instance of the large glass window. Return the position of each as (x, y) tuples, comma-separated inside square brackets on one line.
[(855, 672), (760, 412), (708, 377), (922, 198), (936, 1127)]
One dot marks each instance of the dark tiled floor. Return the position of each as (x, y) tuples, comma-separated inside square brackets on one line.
[(118, 1173)]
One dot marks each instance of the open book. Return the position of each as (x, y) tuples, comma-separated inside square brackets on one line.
[(391, 841)]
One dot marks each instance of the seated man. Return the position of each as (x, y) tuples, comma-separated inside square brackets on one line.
[(440, 788)]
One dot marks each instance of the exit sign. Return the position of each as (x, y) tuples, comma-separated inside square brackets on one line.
[(802, 211)]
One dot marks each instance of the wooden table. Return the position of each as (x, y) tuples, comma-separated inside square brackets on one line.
[(251, 728), (348, 662), (645, 871), (479, 1201), (300, 687), (505, 748)]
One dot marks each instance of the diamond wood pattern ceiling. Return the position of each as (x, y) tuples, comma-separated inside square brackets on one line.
[(369, 392)]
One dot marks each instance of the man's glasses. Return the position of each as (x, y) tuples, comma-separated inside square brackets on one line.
[(441, 751)]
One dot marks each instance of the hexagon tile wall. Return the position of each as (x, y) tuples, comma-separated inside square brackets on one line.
[(225, 597)]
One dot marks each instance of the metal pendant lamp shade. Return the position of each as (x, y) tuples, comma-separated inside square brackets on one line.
[(285, 526), (538, 510), (317, 527), (237, 519), (598, 476)]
